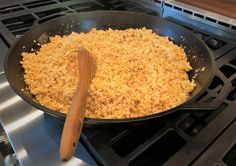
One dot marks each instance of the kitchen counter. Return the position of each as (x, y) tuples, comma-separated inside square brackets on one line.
[(224, 7)]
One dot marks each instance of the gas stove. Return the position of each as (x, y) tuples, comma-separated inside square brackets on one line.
[(30, 137)]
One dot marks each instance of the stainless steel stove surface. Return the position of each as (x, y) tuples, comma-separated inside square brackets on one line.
[(34, 137), (201, 138)]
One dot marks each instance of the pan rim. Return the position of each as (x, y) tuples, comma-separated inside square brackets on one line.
[(109, 121)]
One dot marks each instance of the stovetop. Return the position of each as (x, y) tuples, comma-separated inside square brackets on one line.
[(200, 138)]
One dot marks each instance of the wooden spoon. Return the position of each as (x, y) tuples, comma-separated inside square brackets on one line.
[(74, 120)]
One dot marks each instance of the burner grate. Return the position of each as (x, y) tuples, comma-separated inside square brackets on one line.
[(20, 24), (87, 6), (228, 70), (122, 145), (230, 157), (46, 13), (41, 11), (167, 146), (10, 9), (217, 82), (65, 0), (40, 3)]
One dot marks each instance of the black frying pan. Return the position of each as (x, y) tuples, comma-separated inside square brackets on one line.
[(83, 22)]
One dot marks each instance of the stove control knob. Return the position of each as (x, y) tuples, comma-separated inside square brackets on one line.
[(5, 147), (11, 160)]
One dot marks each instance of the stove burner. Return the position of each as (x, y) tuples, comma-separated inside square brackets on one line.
[(214, 43)]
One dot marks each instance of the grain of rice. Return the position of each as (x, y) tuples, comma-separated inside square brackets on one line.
[(138, 73)]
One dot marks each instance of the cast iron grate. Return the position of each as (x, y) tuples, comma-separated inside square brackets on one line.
[(40, 3), (16, 23), (228, 70), (122, 145), (46, 13), (41, 11), (87, 6), (230, 157), (5, 43), (65, 0), (119, 5), (10, 9), (216, 83), (19, 24), (167, 146)]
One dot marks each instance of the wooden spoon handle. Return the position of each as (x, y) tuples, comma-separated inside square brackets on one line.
[(74, 120), (72, 127)]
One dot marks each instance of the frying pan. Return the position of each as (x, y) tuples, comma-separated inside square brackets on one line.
[(197, 53)]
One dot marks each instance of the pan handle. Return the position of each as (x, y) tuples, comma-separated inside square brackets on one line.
[(194, 105)]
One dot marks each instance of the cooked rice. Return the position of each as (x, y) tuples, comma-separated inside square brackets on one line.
[(138, 73)]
